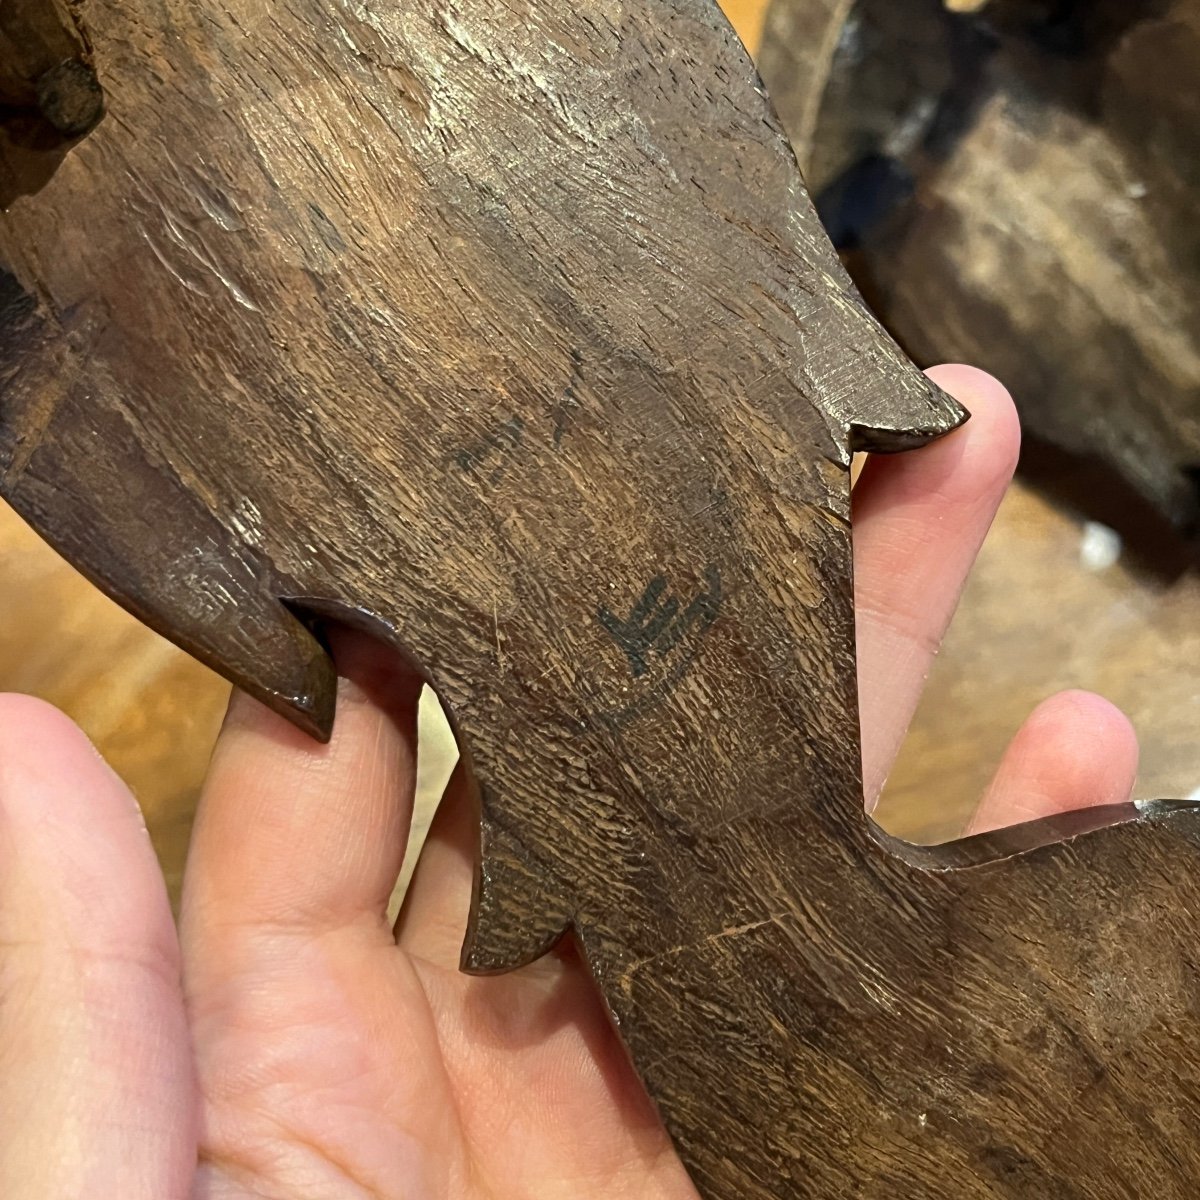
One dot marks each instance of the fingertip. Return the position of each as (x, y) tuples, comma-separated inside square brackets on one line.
[(50, 769), (965, 382), (1075, 750), (29, 725), (1088, 709), (966, 472), (75, 828), (1101, 744), (995, 444)]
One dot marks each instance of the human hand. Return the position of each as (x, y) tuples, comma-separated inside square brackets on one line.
[(286, 1044)]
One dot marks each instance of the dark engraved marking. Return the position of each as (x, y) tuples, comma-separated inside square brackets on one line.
[(498, 443), (698, 615), (657, 628), (568, 402), (562, 414)]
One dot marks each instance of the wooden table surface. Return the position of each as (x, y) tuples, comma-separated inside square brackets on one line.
[(1053, 604)]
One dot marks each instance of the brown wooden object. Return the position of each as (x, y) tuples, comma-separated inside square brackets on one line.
[(507, 332), (1017, 187)]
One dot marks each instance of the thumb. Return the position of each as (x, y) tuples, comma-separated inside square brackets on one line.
[(96, 1094)]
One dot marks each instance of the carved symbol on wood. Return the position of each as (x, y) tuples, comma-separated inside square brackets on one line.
[(494, 446), (656, 625)]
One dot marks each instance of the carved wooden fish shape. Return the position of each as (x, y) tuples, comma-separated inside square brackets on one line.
[(506, 331)]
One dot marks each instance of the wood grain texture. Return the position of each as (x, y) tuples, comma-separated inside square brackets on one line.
[(1017, 189), (151, 710), (510, 335)]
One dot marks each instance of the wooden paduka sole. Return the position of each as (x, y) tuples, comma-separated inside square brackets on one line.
[(472, 325)]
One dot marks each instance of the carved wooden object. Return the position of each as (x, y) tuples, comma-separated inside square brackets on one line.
[(508, 333), (1017, 187)]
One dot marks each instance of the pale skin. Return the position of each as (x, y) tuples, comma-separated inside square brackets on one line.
[(286, 1042)]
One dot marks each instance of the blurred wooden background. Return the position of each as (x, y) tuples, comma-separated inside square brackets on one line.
[(1053, 604)]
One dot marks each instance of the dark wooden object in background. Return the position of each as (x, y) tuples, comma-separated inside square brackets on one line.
[(1018, 188), (49, 94), (510, 335)]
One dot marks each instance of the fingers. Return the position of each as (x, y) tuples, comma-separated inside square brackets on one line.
[(919, 520), (295, 835), (1075, 750), (96, 1084)]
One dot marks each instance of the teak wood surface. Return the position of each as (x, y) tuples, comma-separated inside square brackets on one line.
[(508, 333)]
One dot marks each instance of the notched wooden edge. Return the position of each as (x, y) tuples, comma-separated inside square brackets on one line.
[(1016, 841), (945, 416), (315, 613), (514, 917)]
